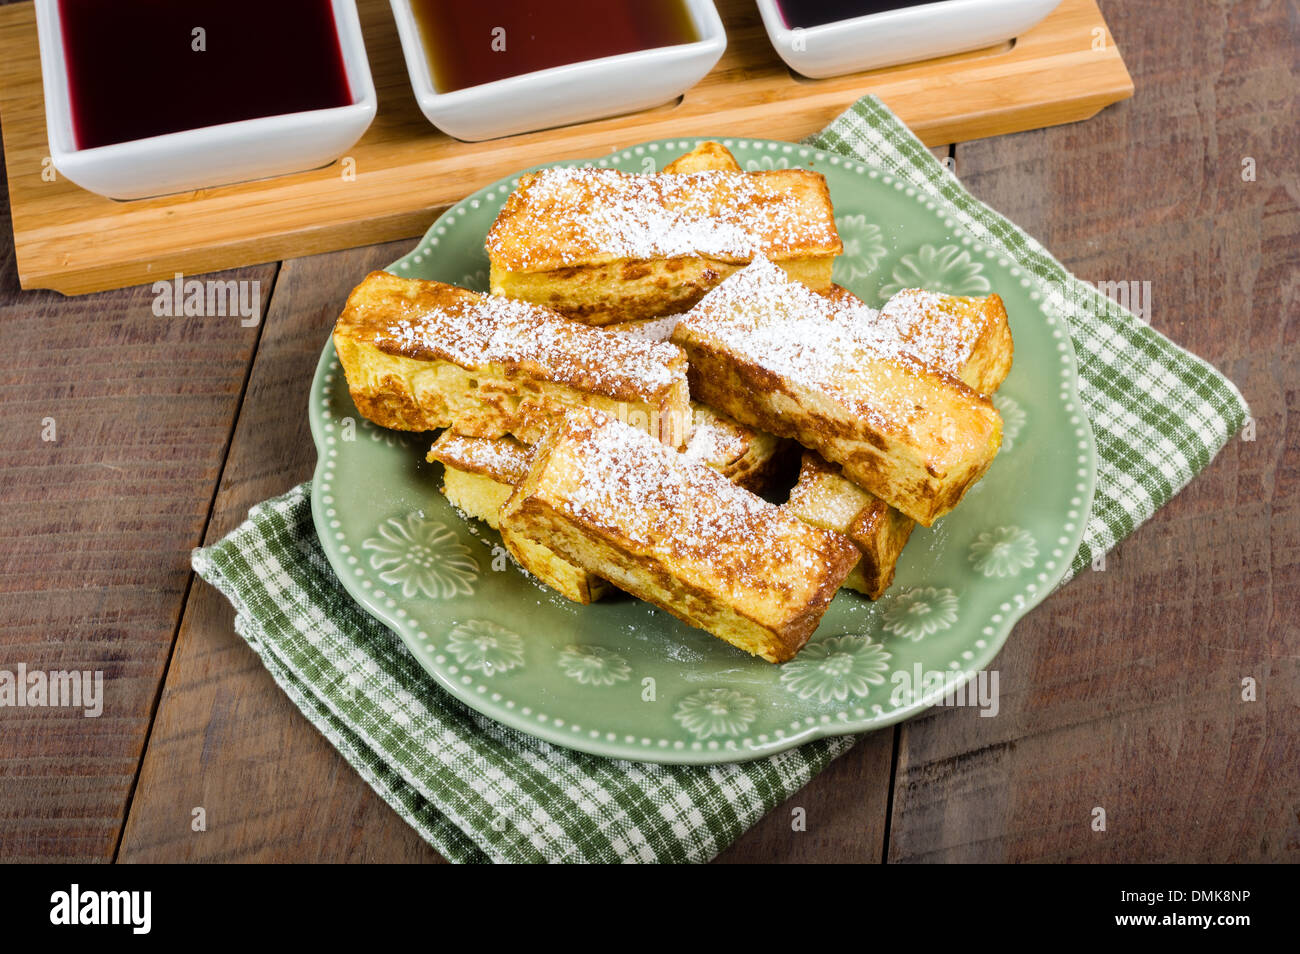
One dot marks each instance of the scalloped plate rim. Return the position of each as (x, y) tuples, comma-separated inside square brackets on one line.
[(618, 749)]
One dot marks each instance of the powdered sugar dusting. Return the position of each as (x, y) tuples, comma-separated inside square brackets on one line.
[(650, 329), (475, 331), (786, 327), (687, 513), (715, 440), (911, 317), (604, 214), (503, 459), (795, 324), (818, 341)]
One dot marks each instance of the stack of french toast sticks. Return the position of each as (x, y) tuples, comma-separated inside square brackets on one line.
[(653, 348)]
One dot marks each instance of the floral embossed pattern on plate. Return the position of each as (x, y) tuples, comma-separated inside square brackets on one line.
[(624, 679)]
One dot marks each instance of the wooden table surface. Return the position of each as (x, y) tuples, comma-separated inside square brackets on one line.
[(1121, 691)]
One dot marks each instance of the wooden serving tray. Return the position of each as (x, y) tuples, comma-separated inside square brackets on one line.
[(406, 171)]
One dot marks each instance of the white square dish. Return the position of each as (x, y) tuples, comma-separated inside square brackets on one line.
[(904, 35), (210, 155), (577, 92)]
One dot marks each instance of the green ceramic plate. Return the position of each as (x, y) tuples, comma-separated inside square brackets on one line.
[(622, 678)]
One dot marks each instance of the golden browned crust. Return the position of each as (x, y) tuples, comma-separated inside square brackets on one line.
[(390, 404), (420, 355), (478, 477), (621, 292), (432, 321), (745, 456), (741, 454), (679, 535), (773, 355), (604, 246), (968, 337), (568, 579), (823, 498), (566, 217), (706, 157), (502, 459), (880, 532)]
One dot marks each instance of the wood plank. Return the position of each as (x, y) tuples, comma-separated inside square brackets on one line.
[(844, 811), (1123, 691), (76, 242), (95, 532), (226, 737)]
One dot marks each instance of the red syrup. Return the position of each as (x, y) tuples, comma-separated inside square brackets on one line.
[(138, 68)]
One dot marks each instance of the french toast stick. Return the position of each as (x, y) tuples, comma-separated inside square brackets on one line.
[(968, 337), (603, 246), (772, 354), (741, 454), (823, 498), (421, 355), (611, 499), (479, 474)]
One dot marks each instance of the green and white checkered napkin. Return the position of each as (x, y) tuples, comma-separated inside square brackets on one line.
[(479, 791)]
